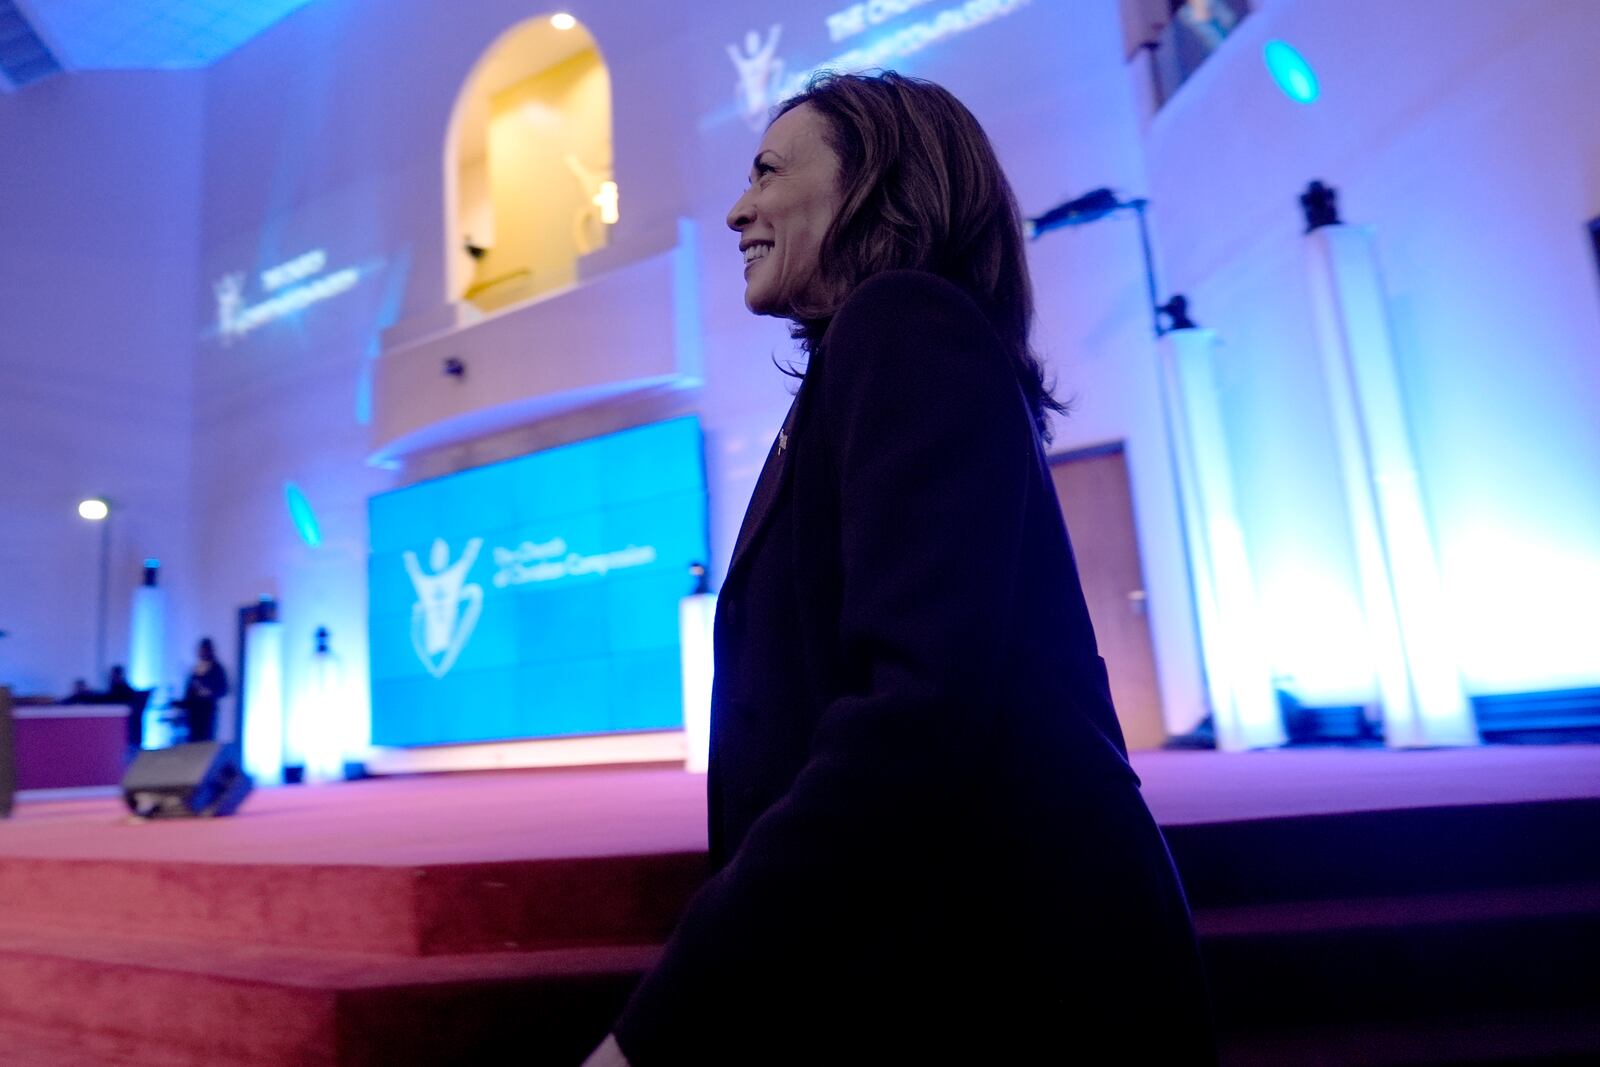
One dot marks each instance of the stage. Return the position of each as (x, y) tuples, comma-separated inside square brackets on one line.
[(1356, 906)]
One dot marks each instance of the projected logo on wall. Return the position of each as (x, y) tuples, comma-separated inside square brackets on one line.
[(294, 286), (761, 80), (537, 597)]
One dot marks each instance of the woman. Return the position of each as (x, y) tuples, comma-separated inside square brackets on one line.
[(928, 844), (208, 684)]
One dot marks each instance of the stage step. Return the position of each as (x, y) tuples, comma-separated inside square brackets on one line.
[(1382, 853), (1332, 939), (1392, 958), (1535, 1038), (414, 910), (120, 1000)]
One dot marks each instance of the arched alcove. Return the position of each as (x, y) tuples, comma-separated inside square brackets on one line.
[(528, 165)]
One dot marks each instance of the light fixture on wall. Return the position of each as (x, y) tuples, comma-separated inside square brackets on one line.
[(563, 21), (97, 509), (1094, 206), (302, 515), (1291, 73)]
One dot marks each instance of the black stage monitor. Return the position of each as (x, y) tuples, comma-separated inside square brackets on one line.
[(198, 779)]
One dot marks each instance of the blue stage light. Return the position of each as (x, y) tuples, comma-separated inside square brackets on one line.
[(1292, 73), (305, 520)]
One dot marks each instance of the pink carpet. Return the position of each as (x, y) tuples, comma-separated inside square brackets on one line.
[(443, 919), (506, 815)]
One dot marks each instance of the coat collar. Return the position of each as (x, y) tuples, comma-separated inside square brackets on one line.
[(768, 488)]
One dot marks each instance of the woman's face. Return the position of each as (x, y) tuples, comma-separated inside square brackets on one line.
[(793, 197)]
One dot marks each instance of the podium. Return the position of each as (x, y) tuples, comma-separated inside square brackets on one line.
[(8, 755)]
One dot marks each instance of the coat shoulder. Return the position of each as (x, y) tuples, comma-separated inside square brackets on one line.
[(909, 317), (908, 299)]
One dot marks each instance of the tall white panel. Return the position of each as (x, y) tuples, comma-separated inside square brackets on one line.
[(263, 702), (1244, 706), (695, 616), (1423, 700)]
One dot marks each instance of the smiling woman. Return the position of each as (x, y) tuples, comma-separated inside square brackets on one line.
[(782, 218), (928, 844)]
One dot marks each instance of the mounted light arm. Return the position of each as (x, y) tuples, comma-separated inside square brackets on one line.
[(1094, 206)]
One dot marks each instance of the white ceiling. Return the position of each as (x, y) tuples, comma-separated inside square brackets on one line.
[(148, 34)]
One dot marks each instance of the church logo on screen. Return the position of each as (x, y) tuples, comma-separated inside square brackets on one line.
[(447, 606)]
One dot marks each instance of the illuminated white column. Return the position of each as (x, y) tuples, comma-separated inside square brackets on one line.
[(320, 718), (146, 643), (1418, 684), (1244, 706), (263, 702), (695, 616), (147, 635)]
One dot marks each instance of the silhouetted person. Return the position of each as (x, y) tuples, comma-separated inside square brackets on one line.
[(120, 691), (208, 684)]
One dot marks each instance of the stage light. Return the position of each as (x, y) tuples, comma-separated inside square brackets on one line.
[(1291, 72), (94, 509), (563, 21), (305, 520)]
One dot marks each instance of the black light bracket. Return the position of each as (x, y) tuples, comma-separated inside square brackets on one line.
[(1096, 205)]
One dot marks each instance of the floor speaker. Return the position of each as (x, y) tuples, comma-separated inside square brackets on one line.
[(201, 779)]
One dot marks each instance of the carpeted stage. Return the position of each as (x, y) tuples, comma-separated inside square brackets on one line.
[(1357, 906)]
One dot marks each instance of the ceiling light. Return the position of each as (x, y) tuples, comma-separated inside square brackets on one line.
[(563, 21)]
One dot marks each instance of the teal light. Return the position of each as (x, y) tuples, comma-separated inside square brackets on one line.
[(305, 520), (1292, 73)]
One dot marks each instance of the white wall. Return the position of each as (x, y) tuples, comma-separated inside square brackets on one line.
[(1459, 130), (1465, 134), (351, 157), (99, 192)]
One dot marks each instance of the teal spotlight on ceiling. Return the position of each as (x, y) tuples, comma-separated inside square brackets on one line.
[(1292, 73), (305, 520)]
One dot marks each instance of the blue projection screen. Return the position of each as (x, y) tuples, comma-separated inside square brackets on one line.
[(537, 597)]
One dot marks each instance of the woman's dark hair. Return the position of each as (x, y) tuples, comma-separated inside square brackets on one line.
[(922, 190)]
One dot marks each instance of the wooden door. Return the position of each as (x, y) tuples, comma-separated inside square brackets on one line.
[(1092, 485)]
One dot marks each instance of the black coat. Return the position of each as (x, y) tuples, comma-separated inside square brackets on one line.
[(928, 844)]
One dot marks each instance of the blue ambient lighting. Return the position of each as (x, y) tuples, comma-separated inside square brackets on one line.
[(152, 34), (1292, 73), (305, 520)]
